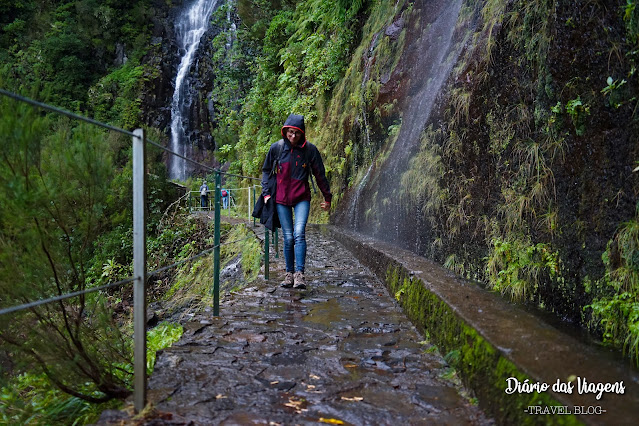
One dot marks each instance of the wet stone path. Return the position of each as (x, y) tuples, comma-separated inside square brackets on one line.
[(339, 352)]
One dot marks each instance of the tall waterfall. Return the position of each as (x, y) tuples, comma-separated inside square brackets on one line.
[(189, 29)]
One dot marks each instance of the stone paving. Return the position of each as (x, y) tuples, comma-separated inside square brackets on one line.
[(339, 352)]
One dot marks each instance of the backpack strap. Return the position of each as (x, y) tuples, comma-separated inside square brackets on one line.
[(280, 145), (276, 162)]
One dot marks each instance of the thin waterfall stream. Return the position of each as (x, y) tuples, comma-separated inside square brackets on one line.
[(190, 26), (435, 55)]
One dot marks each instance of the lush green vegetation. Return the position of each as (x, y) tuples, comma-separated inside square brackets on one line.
[(62, 48), (615, 309), (499, 182), (301, 51), (48, 237), (61, 238), (66, 210), (66, 226), (30, 398)]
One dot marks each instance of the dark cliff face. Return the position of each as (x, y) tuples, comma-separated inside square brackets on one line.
[(569, 163), (201, 77), (522, 144), (161, 59)]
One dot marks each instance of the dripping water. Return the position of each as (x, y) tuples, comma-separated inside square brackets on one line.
[(437, 54)]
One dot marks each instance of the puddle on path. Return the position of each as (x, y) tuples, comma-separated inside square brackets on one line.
[(329, 314)]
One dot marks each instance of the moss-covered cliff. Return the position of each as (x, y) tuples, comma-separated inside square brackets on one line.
[(523, 177)]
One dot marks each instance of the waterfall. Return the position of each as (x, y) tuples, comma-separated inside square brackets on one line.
[(434, 55), (190, 26)]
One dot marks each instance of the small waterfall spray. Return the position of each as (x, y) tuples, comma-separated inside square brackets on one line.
[(355, 205), (354, 208), (436, 55), (232, 31), (189, 28), (367, 73)]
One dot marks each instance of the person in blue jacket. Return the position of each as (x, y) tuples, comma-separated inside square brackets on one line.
[(225, 198), (291, 160)]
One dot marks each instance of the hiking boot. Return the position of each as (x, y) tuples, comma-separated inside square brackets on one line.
[(299, 280), (288, 280)]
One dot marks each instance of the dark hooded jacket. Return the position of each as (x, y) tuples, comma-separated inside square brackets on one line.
[(266, 212), (292, 167)]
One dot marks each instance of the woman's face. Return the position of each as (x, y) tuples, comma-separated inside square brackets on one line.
[(293, 135)]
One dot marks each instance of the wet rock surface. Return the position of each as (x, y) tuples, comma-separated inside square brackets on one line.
[(340, 351)]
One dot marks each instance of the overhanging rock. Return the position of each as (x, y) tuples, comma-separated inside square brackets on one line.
[(496, 345)]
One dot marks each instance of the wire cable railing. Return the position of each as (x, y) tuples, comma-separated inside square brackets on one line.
[(234, 200), (64, 296), (140, 274), (120, 283)]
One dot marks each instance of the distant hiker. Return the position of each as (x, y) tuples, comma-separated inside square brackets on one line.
[(225, 198), (204, 195), (290, 160)]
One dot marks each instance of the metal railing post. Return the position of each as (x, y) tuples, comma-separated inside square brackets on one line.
[(248, 201), (276, 243), (139, 269), (266, 250), (216, 243)]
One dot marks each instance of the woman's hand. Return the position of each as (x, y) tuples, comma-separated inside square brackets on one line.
[(326, 205)]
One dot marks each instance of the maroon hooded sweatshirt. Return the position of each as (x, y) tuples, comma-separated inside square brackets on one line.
[(293, 166)]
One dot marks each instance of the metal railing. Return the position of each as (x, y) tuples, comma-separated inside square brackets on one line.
[(194, 200), (140, 274)]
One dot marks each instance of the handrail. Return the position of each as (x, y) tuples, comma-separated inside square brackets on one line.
[(63, 112), (63, 296), (139, 243), (40, 302)]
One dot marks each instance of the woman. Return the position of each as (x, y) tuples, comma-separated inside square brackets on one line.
[(290, 160)]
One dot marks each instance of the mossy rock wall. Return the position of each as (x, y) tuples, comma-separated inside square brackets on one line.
[(530, 143), (480, 365)]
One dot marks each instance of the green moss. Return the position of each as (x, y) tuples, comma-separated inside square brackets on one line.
[(515, 267), (480, 366), (192, 285), (244, 243)]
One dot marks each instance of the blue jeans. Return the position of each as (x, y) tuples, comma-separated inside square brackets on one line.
[(294, 234)]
